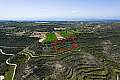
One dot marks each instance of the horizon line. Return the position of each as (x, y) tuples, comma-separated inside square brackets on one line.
[(87, 18)]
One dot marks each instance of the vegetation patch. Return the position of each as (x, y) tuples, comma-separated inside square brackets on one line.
[(50, 37), (9, 73), (66, 33)]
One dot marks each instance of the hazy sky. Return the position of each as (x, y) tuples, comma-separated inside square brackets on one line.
[(11, 9)]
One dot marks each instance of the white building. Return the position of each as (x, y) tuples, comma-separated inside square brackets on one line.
[(1, 77)]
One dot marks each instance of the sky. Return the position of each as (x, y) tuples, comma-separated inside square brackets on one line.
[(59, 9)]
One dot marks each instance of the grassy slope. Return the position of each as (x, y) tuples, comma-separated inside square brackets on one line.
[(50, 37), (66, 33), (9, 73)]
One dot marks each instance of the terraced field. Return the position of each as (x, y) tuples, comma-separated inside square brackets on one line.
[(96, 58), (73, 65), (78, 56)]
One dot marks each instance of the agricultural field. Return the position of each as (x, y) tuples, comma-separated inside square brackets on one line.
[(66, 33), (9, 73), (50, 37)]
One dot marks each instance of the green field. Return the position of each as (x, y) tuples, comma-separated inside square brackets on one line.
[(50, 37), (9, 73), (66, 33), (116, 31)]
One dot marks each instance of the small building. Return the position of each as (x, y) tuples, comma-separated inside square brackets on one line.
[(59, 29), (38, 34), (2, 77)]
